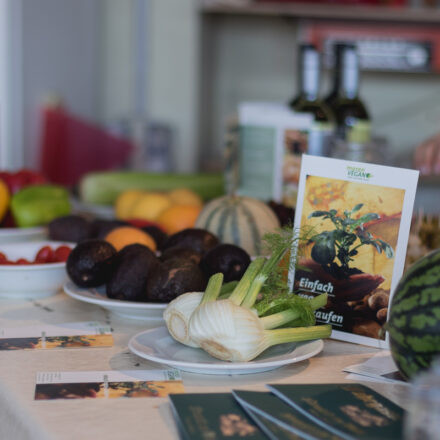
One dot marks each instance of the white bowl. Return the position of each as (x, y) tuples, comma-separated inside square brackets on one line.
[(16, 235), (31, 280)]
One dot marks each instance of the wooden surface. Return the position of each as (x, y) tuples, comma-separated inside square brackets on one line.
[(413, 15), (23, 418)]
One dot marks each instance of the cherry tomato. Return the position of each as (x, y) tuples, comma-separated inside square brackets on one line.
[(45, 255), (3, 258), (62, 253), (22, 261)]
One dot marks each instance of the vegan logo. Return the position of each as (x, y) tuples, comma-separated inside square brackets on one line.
[(358, 173)]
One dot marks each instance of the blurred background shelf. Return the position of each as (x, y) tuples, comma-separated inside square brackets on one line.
[(395, 14)]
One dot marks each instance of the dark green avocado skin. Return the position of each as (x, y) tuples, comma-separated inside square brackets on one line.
[(91, 262), (199, 240), (174, 277), (73, 228), (133, 267), (229, 259)]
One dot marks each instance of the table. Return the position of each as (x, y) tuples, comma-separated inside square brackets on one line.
[(23, 418)]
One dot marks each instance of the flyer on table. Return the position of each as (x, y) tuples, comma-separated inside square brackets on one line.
[(354, 219), (63, 335), (107, 384)]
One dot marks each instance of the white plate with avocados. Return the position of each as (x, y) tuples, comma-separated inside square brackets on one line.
[(158, 346), (126, 309)]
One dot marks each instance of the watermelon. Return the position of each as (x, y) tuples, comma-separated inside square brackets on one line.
[(239, 220), (414, 320)]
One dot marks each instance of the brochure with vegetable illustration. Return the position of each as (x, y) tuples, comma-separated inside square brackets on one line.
[(284, 419), (66, 335), (354, 222), (107, 384), (212, 416), (351, 411)]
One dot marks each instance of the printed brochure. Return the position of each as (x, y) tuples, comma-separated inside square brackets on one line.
[(65, 335), (107, 384), (351, 411), (353, 220)]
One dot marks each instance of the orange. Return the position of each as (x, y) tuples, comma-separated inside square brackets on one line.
[(125, 235), (178, 217)]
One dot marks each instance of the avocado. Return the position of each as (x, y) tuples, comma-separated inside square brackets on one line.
[(199, 240), (156, 234), (174, 277), (90, 263), (184, 253), (73, 228), (133, 266), (101, 227), (232, 261)]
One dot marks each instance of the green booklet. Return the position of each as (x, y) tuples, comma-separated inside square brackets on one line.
[(213, 416), (351, 411), (273, 430), (278, 419)]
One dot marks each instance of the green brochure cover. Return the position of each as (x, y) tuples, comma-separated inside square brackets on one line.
[(213, 416), (351, 411), (271, 429), (291, 423)]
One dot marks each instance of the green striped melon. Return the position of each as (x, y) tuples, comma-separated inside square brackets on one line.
[(239, 220), (414, 320)]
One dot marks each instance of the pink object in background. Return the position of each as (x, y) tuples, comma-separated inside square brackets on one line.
[(71, 147)]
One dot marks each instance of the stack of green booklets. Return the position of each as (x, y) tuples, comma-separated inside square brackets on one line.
[(312, 412)]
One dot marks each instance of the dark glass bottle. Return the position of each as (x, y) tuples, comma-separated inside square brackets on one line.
[(307, 101), (352, 118)]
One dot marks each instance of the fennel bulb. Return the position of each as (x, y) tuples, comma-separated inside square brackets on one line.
[(180, 309), (177, 315), (233, 333)]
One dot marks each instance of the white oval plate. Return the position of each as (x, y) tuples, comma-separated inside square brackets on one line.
[(33, 280), (158, 346), (127, 309), (16, 235)]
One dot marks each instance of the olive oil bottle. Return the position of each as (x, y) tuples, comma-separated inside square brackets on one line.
[(307, 101), (352, 118)]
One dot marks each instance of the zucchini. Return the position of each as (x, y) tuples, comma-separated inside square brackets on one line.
[(102, 188)]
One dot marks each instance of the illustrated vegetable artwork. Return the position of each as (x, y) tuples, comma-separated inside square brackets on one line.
[(242, 221), (414, 318), (343, 242), (230, 329)]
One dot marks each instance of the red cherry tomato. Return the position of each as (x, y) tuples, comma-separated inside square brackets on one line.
[(45, 255), (3, 258), (22, 261), (62, 253)]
